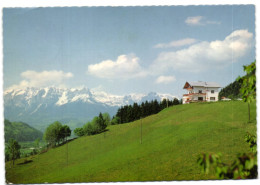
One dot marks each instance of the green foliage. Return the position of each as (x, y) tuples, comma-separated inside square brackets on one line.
[(205, 160), (13, 148), (129, 113), (244, 166), (248, 88), (89, 128), (51, 134), (251, 140), (175, 101), (20, 131), (37, 145), (231, 91), (64, 132), (79, 132), (56, 132), (243, 87), (36, 142), (7, 155), (96, 126), (106, 118), (34, 152), (115, 121), (27, 147), (100, 122)]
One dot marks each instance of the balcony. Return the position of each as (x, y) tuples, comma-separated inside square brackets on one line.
[(192, 94), (195, 101)]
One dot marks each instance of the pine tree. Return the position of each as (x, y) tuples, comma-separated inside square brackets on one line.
[(175, 101)]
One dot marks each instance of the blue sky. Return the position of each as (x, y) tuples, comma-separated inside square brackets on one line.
[(124, 50)]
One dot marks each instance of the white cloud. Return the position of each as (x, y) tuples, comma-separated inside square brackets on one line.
[(125, 67), (42, 79), (199, 20), (194, 20), (205, 55), (165, 79), (177, 43)]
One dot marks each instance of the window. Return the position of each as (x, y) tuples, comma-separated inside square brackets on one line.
[(212, 91), (200, 98), (200, 91), (212, 98)]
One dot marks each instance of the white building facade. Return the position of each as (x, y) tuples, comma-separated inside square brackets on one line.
[(200, 91)]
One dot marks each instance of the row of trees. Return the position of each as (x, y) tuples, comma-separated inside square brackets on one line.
[(129, 113), (56, 133), (96, 126), (125, 114)]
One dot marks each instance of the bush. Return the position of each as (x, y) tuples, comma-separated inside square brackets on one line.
[(79, 132), (89, 129), (34, 152), (96, 126), (115, 121), (244, 167)]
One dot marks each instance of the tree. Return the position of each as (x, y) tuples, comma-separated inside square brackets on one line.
[(36, 144), (231, 91), (100, 122), (155, 107), (115, 121), (14, 150), (175, 101), (52, 133), (119, 115), (7, 155), (146, 108), (107, 118), (64, 132), (248, 87), (130, 114), (163, 104), (136, 111), (89, 129), (79, 132)]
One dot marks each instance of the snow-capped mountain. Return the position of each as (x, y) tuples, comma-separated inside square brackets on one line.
[(41, 106)]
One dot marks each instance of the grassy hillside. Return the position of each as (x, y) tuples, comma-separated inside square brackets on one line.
[(172, 140), (20, 131)]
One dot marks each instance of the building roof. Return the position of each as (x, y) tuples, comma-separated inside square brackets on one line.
[(203, 84)]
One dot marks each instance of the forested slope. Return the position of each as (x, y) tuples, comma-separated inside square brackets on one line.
[(20, 131)]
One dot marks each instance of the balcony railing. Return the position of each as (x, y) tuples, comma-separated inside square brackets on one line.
[(194, 101), (191, 94)]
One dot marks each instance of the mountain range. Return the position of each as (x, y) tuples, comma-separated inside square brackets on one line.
[(74, 106)]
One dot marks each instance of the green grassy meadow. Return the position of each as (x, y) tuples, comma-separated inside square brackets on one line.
[(171, 143)]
